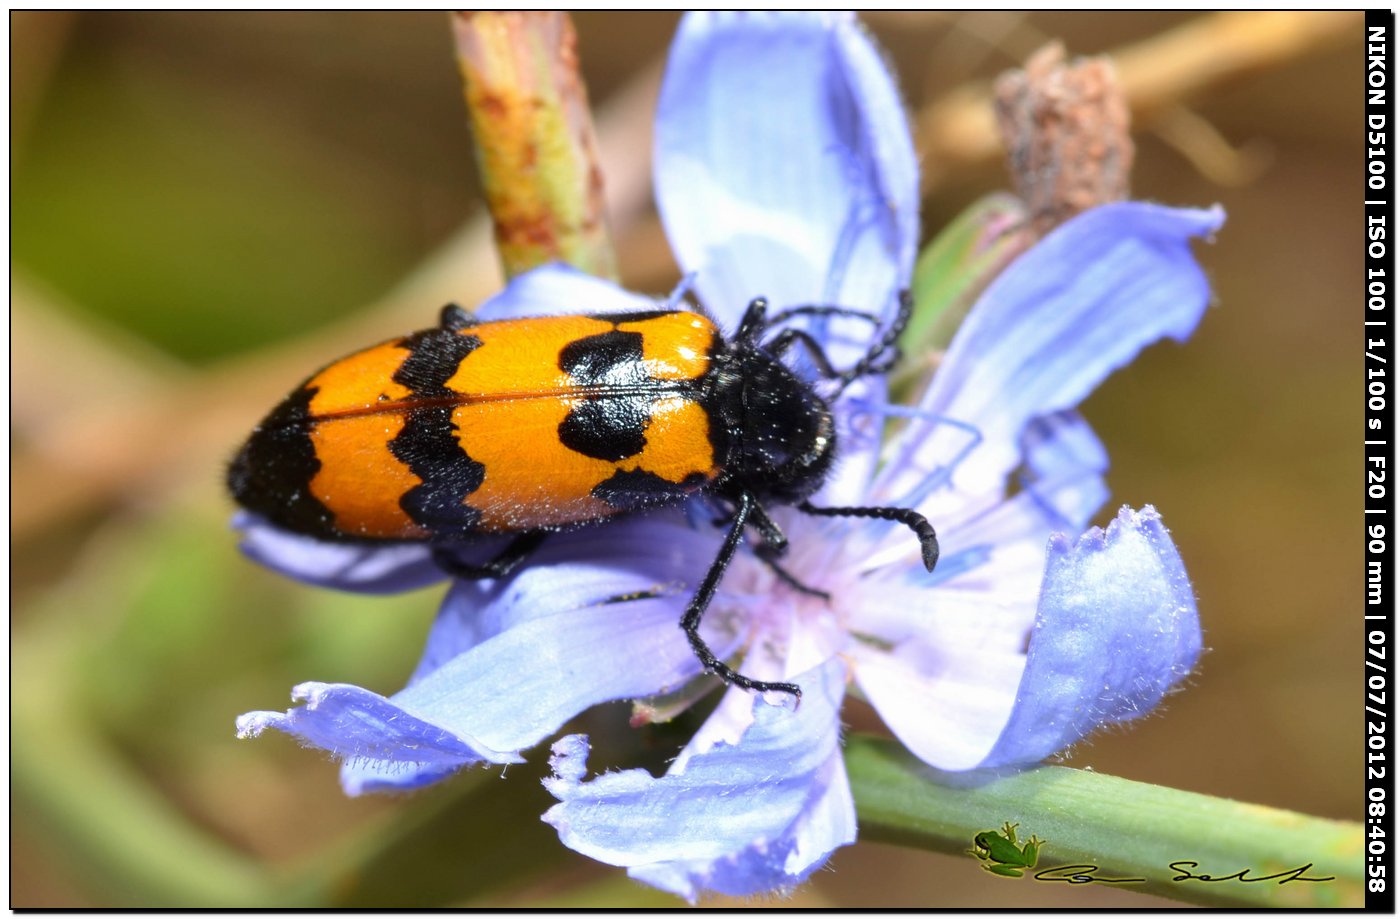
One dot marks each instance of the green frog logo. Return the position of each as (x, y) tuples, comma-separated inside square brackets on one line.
[(1001, 853)]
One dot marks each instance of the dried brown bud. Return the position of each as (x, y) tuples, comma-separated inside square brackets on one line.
[(1066, 130)]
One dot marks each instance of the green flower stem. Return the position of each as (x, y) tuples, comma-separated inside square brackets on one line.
[(534, 139), (1127, 829)]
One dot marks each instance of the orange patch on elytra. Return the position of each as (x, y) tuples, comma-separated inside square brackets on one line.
[(514, 396), (533, 480), (360, 381), (521, 356), (675, 346), (678, 442), (360, 481)]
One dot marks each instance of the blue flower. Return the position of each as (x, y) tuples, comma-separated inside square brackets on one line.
[(784, 168)]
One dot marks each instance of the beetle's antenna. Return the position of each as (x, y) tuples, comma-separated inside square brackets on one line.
[(820, 309), (928, 539), (884, 353)]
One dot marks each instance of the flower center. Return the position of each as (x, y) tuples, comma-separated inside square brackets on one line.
[(794, 605)]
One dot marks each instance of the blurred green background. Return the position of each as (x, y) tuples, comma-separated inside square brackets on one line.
[(206, 206)]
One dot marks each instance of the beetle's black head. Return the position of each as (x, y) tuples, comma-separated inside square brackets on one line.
[(779, 435)]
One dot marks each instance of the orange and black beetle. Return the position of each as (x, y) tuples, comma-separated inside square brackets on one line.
[(528, 426)]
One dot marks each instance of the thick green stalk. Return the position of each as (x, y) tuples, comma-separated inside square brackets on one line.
[(1165, 840)]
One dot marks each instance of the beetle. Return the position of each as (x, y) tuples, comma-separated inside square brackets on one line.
[(524, 427)]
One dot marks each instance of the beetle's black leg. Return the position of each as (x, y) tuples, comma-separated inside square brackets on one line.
[(774, 540), (454, 318), (690, 622), (769, 558), (880, 358), (509, 558), (787, 337), (885, 363), (754, 322), (773, 547), (928, 539)]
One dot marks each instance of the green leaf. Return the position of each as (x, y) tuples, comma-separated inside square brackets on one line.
[(951, 273)]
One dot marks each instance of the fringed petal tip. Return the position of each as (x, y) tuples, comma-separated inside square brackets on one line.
[(1147, 521), (753, 817), (1209, 220), (251, 724), (372, 732), (1116, 629)]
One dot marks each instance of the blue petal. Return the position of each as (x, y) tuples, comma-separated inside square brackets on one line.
[(355, 567), (1079, 305), (1062, 487), (751, 818), (559, 289), (354, 723), (567, 607), (1065, 462), (656, 553), (504, 695), (784, 165), (1117, 628)]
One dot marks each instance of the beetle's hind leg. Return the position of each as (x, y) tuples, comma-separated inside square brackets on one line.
[(773, 547), (506, 561), (690, 622), (769, 558)]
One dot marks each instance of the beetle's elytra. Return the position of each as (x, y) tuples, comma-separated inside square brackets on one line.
[(530, 426)]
